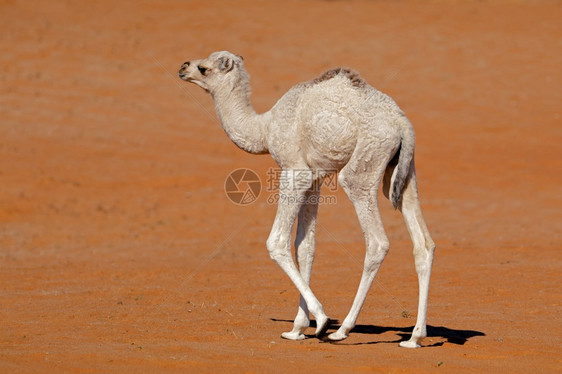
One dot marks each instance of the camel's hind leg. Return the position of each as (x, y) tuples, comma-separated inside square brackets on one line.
[(362, 187), (424, 248), (304, 247)]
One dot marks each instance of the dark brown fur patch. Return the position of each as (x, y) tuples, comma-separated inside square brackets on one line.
[(354, 78)]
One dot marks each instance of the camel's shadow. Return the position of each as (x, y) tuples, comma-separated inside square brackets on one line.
[(458, 337)]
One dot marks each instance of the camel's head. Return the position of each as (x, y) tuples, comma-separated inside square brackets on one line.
[(219, 71)]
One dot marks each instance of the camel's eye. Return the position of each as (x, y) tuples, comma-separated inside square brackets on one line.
[(203, 70)]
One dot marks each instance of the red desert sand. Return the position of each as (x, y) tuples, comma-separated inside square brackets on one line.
[(121, 252)]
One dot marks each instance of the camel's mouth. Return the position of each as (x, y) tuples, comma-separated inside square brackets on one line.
[(189, 79)]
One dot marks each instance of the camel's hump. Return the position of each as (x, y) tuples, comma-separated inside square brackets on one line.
[(350, 74)]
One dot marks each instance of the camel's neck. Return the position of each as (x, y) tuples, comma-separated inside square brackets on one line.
[(243, 125)]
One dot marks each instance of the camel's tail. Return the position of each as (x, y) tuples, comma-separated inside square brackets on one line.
[(402, 159)]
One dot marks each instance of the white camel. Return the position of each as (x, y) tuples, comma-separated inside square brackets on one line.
[(334, 122)]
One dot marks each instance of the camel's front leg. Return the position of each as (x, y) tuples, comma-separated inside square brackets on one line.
[(304, 247), (292, 192)]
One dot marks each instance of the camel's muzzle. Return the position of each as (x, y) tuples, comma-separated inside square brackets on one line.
[(183, 74)]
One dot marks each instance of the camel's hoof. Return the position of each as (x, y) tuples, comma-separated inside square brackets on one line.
[(337, 336), (292, 335), (322, 325), (409, 344)]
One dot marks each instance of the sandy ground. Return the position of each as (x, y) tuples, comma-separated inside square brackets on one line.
[(120, 252)]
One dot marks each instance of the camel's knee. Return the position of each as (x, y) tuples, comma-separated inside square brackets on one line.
[(376, 252), (278, 249)]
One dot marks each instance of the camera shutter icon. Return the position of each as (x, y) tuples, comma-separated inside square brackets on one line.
[(242, 186)]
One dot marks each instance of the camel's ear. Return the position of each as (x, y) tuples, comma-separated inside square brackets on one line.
[(241, 57), (225, 64)]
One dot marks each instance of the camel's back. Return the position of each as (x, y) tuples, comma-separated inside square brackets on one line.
[(328, 115), (338, 109), (346, 89)]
